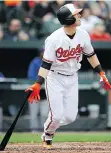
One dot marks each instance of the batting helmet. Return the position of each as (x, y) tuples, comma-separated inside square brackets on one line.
[(66, 14)]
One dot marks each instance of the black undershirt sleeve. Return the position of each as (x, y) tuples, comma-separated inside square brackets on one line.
[(88, 56), (46, 65)]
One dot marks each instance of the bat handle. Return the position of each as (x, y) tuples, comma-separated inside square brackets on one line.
[(28, 94)]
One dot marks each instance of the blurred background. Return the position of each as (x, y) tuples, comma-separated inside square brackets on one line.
[(24, 25)]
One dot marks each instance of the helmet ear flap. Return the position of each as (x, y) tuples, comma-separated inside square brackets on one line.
[(70, 20)]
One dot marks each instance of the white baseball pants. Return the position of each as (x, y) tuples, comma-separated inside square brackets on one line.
[(62, 96)]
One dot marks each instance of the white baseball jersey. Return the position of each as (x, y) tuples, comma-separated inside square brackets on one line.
[(67, 53)]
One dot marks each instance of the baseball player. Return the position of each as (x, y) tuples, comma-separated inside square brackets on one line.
[(64, 50)]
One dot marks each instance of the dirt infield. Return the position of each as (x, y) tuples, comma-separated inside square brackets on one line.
[(67, 147)]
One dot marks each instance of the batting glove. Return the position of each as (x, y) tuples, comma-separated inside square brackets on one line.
[(35, 94), (104, 81)]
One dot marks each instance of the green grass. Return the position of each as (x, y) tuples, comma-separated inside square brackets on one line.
[(61, 137)]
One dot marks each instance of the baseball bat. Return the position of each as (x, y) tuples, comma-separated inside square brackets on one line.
[(11, 129)]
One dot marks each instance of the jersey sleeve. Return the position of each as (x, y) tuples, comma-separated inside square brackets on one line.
[(88, 48), (49, 52)]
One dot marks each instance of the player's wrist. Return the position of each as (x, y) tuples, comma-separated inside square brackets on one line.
[(99, 69), (40, 80)]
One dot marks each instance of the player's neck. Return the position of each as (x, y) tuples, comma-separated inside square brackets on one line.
[(69, 30)]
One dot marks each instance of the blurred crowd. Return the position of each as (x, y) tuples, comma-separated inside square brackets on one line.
[(35, 19)]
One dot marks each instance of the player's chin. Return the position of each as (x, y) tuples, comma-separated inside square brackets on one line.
[(78, 23)]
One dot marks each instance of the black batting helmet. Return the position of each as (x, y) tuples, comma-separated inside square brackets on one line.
[(66, 14)]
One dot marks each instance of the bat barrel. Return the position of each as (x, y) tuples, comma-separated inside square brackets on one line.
[(11, 129)]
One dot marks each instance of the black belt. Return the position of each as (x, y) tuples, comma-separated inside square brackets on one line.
[(61, 73)]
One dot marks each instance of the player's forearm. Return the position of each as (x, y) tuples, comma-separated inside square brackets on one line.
[(42, 75), (93, 60), (43, 71)]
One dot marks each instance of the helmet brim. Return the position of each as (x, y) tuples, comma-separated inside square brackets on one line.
[(77, 11)]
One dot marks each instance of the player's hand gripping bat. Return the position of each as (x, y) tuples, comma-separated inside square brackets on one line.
[(104, 81), (35, 95)]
